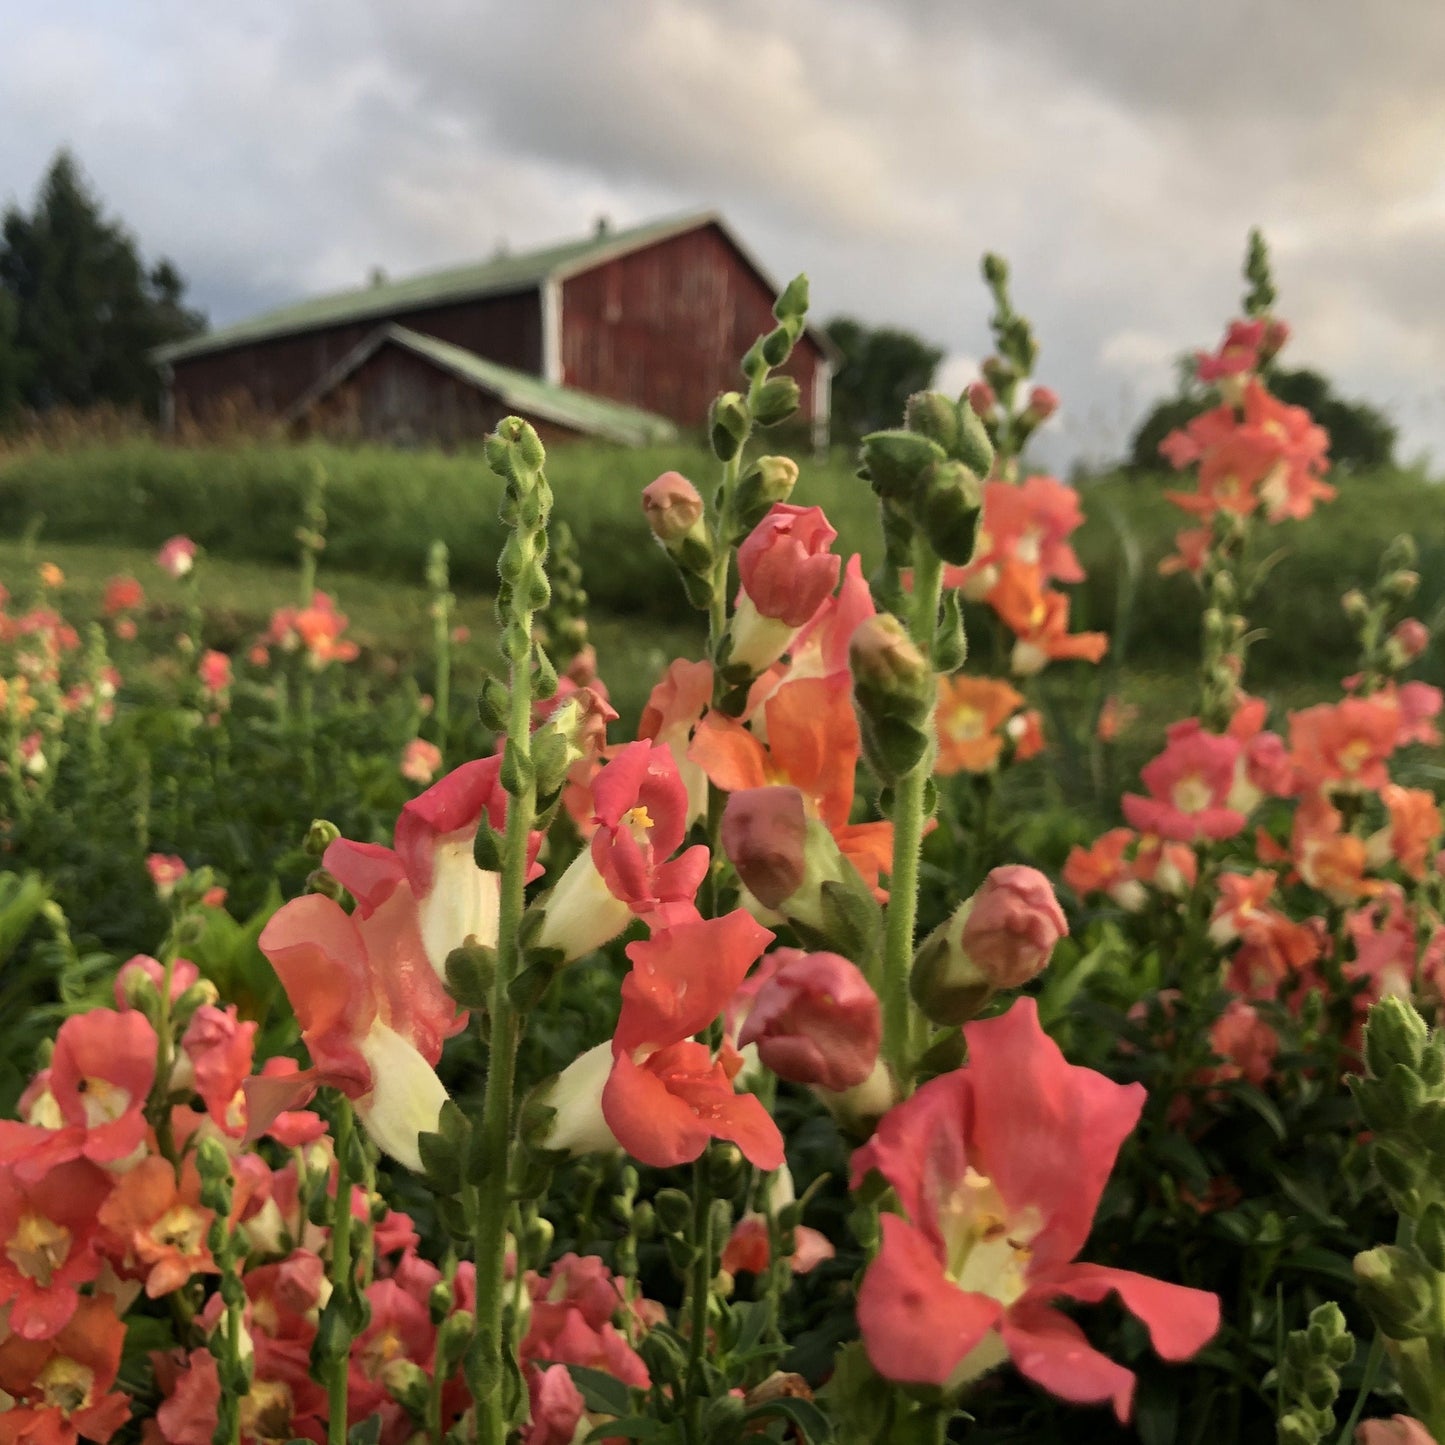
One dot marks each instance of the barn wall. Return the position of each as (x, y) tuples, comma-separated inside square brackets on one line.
[(398, 398), (665, 327), (274, 373)]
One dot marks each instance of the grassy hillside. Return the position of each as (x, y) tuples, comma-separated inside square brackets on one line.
[(385, 507)]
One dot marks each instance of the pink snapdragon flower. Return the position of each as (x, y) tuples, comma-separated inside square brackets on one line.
[(1189, 787), (815, 1020), (787, 572), (998, 1168), (177, 556)]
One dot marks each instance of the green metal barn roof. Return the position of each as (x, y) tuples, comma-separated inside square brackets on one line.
[(528, 394), (495, 277)]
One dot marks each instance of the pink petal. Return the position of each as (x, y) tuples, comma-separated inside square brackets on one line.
[(917, 1324), (1180, 1320), (1052, 1351)]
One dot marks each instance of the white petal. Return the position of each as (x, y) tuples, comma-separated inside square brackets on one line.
[(463, 902), (406, 1099), (576, 1095), (582, 912)]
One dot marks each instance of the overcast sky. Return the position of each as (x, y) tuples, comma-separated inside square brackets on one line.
[(1116, 151)]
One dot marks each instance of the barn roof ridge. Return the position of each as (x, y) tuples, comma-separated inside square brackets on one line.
[(578, 410), (498, 276)]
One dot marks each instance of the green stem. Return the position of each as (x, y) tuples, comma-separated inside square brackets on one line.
[(490, 1223), (342, 1274), (699, 1294), (908, 810)]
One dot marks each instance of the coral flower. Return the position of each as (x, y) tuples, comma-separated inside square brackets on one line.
[(177, 556), (157, 1227), (122, 594), (92, 1100), (639, 813), (998, 1168), (46, 1234), (1344, 746), (372, 1012), (1039, 618), (1189, 786), (652, 1090), (971, 711), (813, 745), (60, 1387)]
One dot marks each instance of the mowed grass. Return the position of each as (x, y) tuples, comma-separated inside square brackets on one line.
[(389, 620)]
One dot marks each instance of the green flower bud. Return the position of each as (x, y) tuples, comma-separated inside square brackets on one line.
[(1394, 1034), (674, 1210), (974, 447), (777, 400), (1395, 1288), (935, 416), (453, 1338), (948, 509), (320, 836), (728, 425), (895, 461)]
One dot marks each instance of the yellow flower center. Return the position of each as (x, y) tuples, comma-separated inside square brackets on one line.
[(38, 1248), (180, 1228), (987, 1248), (65, 1384), (965, 724), (103, 1101), (1191, 794)]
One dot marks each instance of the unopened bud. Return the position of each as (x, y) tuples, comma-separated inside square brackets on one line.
[(935, 416), (1355, 604), (1408, 641), (895, 462), (1394, 1034), (439, 1301), (320, 836), (453, 1338), (767, 482), (947, 511), (1394, 1289), (1401, 585), (981, 397), (728, 425), (777, 400), (764, 831), (1043, 403), (673, 507)]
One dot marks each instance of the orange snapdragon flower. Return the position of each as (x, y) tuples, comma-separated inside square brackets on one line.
[(1040, 620), (971, 713), (156, 1226)]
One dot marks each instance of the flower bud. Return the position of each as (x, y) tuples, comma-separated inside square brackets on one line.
[(1394, 1289), (320, 836), (674, 509), (1394, 1034), (1000, 938), (1355, 604), (764, 831), (1409, 640), (1401, 585), (767, 482), (931, 414), (895, 461), (1043, 403), (777, 400), (893, 694), (815, 1020), (786, 566), (728, 425), (947, 511), (981, 397)]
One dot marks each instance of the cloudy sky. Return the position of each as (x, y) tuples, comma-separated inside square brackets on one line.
[(1116, 151)]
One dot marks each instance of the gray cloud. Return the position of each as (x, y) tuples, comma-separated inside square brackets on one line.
[(1117, 151)]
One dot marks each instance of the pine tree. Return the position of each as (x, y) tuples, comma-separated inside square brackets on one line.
[(86, 311)]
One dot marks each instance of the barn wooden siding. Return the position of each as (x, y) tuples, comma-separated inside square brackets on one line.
[(399, 399), (664, 328), (275, 372)]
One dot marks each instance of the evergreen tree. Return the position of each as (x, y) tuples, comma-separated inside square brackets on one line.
[(86, 311)]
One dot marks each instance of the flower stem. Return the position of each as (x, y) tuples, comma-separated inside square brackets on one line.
[(908, 820), (699, 1293), (342, 1275)]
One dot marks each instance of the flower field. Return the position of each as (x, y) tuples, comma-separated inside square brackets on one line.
[(880, 950)]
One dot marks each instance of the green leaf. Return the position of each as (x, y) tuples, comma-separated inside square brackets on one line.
[(1262, 1105), (365, 1432), (602, 1392), (635, 1427), (813, 1423)]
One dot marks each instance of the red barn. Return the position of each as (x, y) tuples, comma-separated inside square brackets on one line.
[(625, 336)]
